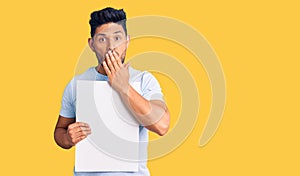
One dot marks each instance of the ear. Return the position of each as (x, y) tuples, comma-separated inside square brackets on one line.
[(128, 39), (91, 44)]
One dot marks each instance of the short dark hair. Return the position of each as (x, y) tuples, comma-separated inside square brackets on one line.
[(107, 15)]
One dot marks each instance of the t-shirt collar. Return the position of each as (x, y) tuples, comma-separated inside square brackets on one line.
[(99, 76)]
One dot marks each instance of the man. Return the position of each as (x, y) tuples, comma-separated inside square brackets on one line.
[(109, 41)]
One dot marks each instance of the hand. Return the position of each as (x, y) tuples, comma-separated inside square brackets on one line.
[(77, 131), (116, 71)]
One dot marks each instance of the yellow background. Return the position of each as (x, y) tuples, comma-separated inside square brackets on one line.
[(258, 46)]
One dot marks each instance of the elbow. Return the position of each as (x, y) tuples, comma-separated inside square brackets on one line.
[(62, 144), (158, 128), (163, 130), (65, 147), (58, 138), (164, 125)]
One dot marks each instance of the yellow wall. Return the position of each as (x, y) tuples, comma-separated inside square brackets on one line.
[(258, 46)]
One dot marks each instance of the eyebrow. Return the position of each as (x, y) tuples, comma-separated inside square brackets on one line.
[(102, 34)]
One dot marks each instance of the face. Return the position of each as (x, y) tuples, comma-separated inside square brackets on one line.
[(110, 36)]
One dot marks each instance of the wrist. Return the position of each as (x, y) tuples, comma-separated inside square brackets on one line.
[(125, 90)]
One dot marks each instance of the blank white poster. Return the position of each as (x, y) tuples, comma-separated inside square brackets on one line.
[(114, 142)]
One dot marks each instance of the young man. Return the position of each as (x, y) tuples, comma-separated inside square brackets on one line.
[(109, 41)]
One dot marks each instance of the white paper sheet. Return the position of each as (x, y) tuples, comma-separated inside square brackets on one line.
[(114, 142)]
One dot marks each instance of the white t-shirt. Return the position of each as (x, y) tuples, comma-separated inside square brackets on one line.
[(149, 89)]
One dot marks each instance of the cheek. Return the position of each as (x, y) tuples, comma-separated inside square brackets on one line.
[(100, 47), (121, 49), (100, 50), (100, 53), (123, 55)]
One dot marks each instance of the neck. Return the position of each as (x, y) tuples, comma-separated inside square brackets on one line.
[(100, 69)]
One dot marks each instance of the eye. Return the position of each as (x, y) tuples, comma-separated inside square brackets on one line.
[(117, 38), (102, 39)]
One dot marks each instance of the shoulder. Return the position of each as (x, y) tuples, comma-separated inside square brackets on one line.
[(146, 80), (140, 76), (87, 75), (134, 73)]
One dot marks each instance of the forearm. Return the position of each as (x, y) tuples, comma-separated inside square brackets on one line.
[(151, 114), (61, 138)]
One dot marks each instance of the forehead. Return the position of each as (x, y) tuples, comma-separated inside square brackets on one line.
[(109, 28)]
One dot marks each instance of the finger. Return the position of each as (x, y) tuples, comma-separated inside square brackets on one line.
[(79, 129), (74, 135), (106, 69), (82, 124), (78, 139), (109, 63), (85, 130), (115, 53), (78, 124), (87, 133), (114, 57), (74, 125)]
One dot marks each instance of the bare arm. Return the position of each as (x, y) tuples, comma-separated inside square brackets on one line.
[(154, 114), (68, 133)]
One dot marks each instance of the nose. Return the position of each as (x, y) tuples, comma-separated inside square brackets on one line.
[(110, 45)]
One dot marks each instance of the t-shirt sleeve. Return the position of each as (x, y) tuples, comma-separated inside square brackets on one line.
[(150, 87), (67, 104)]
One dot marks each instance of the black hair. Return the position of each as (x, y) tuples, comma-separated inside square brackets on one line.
[(107, 15)]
